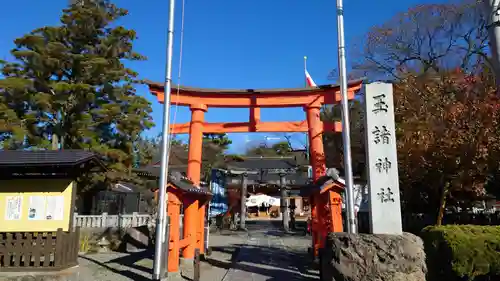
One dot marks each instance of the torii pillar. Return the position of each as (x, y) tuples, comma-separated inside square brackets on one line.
[(326, 209), (194, 215)]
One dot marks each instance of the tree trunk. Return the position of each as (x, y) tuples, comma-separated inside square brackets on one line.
[(243, 210), (285, 215), (442, 204)]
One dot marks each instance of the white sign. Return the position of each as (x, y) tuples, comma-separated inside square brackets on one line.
[(37, 206), (13, 207), (55, 208), (382, 164)]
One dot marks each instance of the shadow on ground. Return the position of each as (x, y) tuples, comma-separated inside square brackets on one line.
[(128, 261), (275, 263)]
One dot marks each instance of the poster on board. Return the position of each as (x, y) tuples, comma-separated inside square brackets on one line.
[(13, 207), (36, 209), (55, 208)]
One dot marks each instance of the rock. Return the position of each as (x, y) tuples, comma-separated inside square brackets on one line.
[(136, 239), (368, 257)]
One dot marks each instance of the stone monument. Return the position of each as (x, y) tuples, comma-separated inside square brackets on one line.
[(382, 165), (387, 254)]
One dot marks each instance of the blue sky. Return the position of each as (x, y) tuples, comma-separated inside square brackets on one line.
[(227, 44)]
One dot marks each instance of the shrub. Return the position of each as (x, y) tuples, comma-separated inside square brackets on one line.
[(462, 252)]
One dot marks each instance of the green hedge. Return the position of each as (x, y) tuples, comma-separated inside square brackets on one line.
[(462, 252)]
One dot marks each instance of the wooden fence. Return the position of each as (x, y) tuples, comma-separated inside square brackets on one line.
[(42, 251), (116, 221)]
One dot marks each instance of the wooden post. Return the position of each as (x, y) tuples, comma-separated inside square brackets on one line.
[(196, 265), (76, 245), (243, 200), (59, 250), (166, 245), (293, 207), (284, 203)]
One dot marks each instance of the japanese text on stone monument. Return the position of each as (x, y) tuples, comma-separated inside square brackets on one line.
[(383, 182)]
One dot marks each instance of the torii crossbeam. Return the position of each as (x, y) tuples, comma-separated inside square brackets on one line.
[(327, 214)]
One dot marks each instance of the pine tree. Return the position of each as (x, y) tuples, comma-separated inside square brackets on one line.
[(70, 88)]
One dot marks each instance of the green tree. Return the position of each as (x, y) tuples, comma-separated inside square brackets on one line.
[(221, 140), (214, 147), (148, 149), (333, 142), (70, 88), (282, 148), (12, 130)]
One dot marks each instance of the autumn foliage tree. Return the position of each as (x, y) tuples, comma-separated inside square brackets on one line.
[(426, 38), (438, 59), (448, 141)]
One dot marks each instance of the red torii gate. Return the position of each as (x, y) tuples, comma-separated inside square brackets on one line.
[(326, 214)]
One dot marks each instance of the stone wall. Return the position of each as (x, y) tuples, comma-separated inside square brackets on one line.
[(368, 257)]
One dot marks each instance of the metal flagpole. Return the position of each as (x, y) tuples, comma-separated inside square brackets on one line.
[(305, 68), (307, 133), (161, 227), (346, 134)]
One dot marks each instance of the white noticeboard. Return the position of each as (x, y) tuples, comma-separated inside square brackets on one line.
[(13, 207), (37, 206), (382, 161), (55, 208)]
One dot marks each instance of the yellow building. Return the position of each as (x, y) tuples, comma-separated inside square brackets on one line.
[(37, 189), (37, 198)]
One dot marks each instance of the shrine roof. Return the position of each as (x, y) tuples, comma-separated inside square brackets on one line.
[(160, 87), (154, 171), (259, 163), (47, 163), (44, 157), (295, 179), (187, 186)]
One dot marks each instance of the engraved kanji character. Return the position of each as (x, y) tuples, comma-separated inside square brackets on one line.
[(381, 135), (383, 165), (386, 195), (380, 104)]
